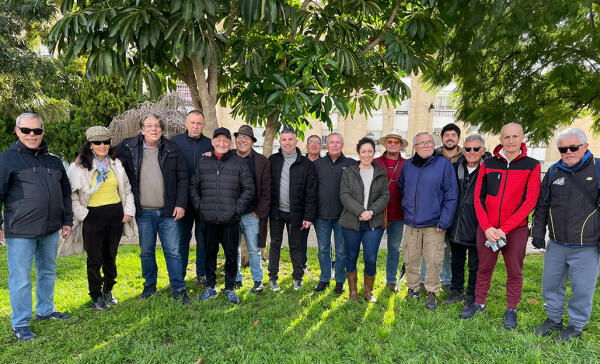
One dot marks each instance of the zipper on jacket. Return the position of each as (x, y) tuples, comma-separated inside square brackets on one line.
[(416, 191), (552, 223), (461, 203), (583, 227), (502, 196)]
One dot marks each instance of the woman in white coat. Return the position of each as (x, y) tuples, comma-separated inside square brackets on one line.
[(103, 207)]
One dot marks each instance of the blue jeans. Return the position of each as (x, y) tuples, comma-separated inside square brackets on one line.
[(249, 226), (185, 226), (394, 231), (323, 228), (149, 223), (446, 272), (20, 254), (370, 239)]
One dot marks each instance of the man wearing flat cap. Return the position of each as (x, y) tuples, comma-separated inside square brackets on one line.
[(253, 224), (222, 191), (391, 160)]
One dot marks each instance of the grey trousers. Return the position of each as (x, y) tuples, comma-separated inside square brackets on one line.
[(581, 266)]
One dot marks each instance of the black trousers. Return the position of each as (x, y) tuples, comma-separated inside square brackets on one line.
[(304, 246), (229, 237), (102, 230), (459, 257), (294, 241)]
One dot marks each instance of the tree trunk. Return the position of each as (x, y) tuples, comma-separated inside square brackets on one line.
[(206, 84), (269, 136)]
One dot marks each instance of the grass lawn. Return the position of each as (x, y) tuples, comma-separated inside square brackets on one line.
[(281, 327)]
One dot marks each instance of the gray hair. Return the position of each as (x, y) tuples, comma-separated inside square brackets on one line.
[(148, 116), (290, 131), (28, 115), (475, 138), (571, 132), (313, 136), (419, 134), (335, 133)]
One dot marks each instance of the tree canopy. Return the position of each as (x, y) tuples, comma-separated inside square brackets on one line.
[(272, 60), (535, 62)]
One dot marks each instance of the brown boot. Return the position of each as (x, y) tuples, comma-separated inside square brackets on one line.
[(392, 287), (368, 287), (352, 278)]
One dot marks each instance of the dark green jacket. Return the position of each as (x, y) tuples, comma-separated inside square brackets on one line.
[(352, 197)]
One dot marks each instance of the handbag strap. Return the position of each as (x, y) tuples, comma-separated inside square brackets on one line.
[(394, 171)]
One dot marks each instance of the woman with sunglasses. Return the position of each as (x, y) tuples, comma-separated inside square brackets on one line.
[(103, 207), (364, 193)]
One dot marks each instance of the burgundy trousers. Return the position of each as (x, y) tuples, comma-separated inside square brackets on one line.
[(513, 254)]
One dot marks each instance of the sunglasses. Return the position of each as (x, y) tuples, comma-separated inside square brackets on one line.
[(27, 131), (100, 142), (468, 149), (572, 148)]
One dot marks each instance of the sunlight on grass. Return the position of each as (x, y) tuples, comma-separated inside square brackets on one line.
[(302, 315)]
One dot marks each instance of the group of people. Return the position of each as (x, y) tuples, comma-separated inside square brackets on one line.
[(441, 207)]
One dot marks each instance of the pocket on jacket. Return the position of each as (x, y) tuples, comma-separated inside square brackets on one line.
[(493, 182)]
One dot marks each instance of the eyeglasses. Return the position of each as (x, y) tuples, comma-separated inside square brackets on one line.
[(242, 137), (27, 131), (572, 148), (393, 142), (423, 144), (100, 142), (468, 149), (314, 143)]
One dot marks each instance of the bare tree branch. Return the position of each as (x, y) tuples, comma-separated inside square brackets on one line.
[(305, 4), (389, 22), (231, 19)]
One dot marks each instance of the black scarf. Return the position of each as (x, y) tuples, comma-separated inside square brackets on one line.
[(419, 161)]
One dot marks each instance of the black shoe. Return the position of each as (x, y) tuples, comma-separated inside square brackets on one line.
[(547, 327), (568, 333), (321, 286), (455, 297), (510, 319), (431, 302), (339, 288), (182, 295), (109, 298), (148, 291), (447, 288), (53, 316), (237, 285), (201, 281), (23, 333), (98, 304), (471, 310), (258, 287), (412, 294)]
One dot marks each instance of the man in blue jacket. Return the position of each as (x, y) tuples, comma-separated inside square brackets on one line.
[(36, 195), (429, 192), (193, 145)]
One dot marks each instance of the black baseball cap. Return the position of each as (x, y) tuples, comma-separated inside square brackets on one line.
[(223, 131)]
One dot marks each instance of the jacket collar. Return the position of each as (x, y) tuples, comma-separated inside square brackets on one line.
[(586, 157), (377, 169), (499, 148), (188, 137), (338, 160), (22, 148), (385, 158), (225, 156), (298, 154)]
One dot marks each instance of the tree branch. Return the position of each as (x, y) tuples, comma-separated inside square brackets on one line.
[(305, 4), (175, 69), (389, 22), (231, 16), (201, 80)]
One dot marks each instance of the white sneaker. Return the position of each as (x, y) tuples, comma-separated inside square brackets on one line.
[(274, 286), (297, 284)]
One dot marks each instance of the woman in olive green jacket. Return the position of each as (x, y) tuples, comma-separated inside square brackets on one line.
[(364, 193)]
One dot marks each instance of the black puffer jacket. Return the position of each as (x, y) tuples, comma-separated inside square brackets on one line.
[(222, 189), (572, 216), (172, 164), (35, 192), (464, 228), (303, 188)]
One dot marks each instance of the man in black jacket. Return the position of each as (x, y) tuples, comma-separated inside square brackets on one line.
[(293, 205), (193, 145), (221, 191), (329, 176), (568, 205), (463, 232), (36, 195), (159, 181)]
